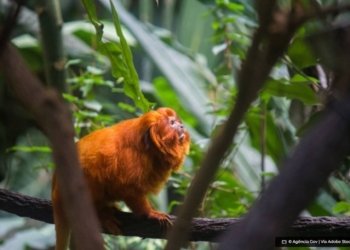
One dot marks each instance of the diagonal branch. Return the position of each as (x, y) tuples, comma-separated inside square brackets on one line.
[(319, 153), (277, 27), (268, 45), (53, 117)]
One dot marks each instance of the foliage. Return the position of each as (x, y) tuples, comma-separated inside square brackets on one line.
[(119, 54), (119, 66)]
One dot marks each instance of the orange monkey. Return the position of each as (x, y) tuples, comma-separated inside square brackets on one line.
[(126, 162)]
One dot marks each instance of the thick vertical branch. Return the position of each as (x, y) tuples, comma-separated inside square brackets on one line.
[(54, 118), (9, 23), (50, 20)]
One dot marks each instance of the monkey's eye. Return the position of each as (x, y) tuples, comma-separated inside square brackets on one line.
[(172, 121)]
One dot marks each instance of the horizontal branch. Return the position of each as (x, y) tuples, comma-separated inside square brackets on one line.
[(203, 229)]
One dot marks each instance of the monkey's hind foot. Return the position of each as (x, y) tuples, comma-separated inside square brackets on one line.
[(163, 218)]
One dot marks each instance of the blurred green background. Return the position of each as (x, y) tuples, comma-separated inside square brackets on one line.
[(187, 55)]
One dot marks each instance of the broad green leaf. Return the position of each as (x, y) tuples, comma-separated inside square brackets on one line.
[(342, 207), (300, 90), (300, 53)]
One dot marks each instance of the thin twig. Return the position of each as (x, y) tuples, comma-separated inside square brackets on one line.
[(262, 142)]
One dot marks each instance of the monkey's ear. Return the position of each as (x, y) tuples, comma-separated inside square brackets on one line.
[(151, 138), (147, 139), (155, 138)]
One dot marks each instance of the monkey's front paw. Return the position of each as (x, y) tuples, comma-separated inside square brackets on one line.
[(163, 218), (112, 227), (108, 220)]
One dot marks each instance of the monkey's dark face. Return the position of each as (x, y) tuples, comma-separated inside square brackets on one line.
[(167, 131), (170, 126), (177, 125)]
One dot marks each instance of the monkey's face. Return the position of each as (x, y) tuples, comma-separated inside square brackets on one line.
[(177, 125), (167, 131), (169, 126)]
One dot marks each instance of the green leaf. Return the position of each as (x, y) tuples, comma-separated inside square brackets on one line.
[(71, 98), (228, 197), (120, 57), (322, 205), (114, 53), (235, 7), (127, 107), (296, 89), (93, 105), (185, 75), (341, 187), (91, 11), (125, 49), (300, 54), (84, 114), (30, 149), (131, 84), (168, 97), (341, 207)]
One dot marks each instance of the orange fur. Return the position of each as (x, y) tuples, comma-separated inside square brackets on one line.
[(126, 162)]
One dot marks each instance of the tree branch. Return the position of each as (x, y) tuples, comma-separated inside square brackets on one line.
[(9, 23), (50, 20), (318, 154), (54, 118), (268, 45), (202, 229)]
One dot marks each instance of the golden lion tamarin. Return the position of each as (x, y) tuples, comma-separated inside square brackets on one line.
[(126, 162)]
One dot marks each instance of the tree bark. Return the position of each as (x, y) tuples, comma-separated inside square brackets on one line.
[(54, 118)]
